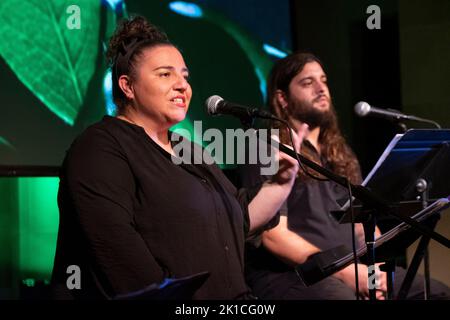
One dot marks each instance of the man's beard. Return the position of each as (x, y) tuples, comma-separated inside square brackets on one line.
[(305, 112)]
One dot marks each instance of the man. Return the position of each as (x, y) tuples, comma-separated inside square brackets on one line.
[(298, 93)]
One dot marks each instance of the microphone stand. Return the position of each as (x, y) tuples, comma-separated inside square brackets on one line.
[(373, 205), (369, 199)]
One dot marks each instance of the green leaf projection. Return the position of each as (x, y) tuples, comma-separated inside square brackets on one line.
[(52, 46), (253, 48), (5, 142)]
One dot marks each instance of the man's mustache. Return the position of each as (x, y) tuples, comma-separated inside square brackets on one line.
[(320, 96)]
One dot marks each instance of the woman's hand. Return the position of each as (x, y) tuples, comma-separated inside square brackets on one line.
[(273, 193), (288, 166)]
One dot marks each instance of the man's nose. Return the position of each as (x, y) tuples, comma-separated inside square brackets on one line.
[(320, 87)]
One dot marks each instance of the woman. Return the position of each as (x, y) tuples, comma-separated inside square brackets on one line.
[(130, 217)]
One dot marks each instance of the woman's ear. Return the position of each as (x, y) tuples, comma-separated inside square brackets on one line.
[(126, 87), (281, 99)]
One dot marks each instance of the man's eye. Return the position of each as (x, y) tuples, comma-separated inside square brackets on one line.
[(164, 75)]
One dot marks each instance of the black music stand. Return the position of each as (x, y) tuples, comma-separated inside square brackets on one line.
[(325, 263), (414, 167), (374, 205)]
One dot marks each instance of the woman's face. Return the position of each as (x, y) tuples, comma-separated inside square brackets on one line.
[(161, 91)]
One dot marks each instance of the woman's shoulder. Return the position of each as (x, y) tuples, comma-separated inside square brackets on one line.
[(108, 124), (107, 129), (99, 137), (96, 155)]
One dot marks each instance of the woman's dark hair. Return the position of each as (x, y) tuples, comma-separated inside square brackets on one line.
[(126, 47), (334, 149)]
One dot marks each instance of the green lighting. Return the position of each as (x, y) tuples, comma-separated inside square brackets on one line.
[(38, 226), (186, 124), (28, 232), (252, 47), (29, 282), (6, 143)]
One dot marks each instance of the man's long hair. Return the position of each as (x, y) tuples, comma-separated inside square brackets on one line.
[(334, 149)]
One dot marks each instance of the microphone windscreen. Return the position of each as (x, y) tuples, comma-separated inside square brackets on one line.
[(362, 108), (211, 104)]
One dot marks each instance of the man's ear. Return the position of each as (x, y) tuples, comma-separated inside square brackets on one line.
[(126, 87), (281, 99)]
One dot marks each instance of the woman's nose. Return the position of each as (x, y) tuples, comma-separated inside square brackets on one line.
[(181, 83)]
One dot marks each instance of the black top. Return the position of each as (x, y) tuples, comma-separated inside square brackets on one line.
[(308, 210), (130, 217)]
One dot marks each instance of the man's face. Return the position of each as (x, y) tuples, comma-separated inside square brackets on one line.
[(308, 97)]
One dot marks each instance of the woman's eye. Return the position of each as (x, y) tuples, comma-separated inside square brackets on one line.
[(165, 74)]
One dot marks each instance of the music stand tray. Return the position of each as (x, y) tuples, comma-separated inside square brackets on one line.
[(171, 289), (416, 154)]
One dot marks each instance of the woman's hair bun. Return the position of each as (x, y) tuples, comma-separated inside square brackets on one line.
[(136, 27)]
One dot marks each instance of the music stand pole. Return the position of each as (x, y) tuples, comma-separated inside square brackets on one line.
[(422, 188), (369, 233), (426, 268), (415, 263), (389, 268)]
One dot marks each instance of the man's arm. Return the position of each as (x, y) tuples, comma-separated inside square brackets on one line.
[(287, 245), (347, 275), (293, 250)]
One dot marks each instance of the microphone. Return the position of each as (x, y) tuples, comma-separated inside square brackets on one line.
[(216, 105), (363, 109)]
